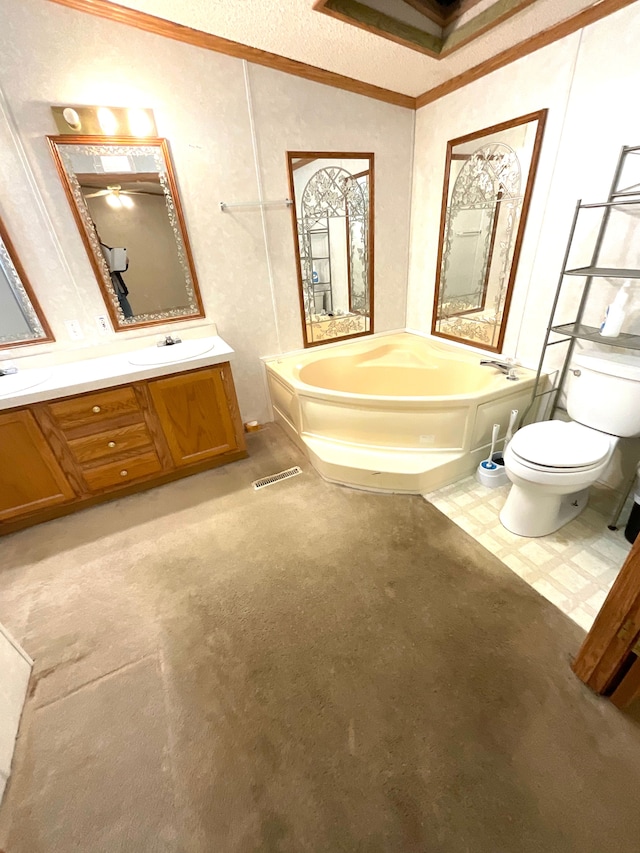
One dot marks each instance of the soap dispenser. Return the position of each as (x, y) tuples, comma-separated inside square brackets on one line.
[(614, 317)]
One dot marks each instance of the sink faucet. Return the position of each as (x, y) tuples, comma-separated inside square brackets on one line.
[(169, 341), (8, 369), (507, 367)]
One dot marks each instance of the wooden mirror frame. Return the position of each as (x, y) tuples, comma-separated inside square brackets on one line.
[(106, 288), (540, 117), (47, 336), (334, 155)]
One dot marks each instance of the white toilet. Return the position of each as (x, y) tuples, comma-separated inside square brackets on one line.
[(552, 463)]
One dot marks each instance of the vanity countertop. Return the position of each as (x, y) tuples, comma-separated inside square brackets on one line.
[(94, 374)]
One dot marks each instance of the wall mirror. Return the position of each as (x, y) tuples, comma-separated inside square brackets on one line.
[(21, 319), (125, 202), (488, 182), (333, 227)]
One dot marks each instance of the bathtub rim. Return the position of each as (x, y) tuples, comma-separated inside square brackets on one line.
[(317, 391)]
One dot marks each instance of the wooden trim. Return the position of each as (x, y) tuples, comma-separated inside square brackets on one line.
[(478, 26), (54, 142), (103, 180), (208, 41), (437, 46), (332, 155), (540, 117), (629, 687), (371, 21), (435, 14), (524, 48), (15, 260), (615, 630), (58, 442)]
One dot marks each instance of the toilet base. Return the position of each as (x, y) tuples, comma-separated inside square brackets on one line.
[(527, 513)]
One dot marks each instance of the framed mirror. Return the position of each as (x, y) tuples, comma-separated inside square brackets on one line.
[(332, 216), (488, 182), (21, 318), (125, 201)]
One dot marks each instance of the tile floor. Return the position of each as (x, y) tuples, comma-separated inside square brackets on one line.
[(573, 568)]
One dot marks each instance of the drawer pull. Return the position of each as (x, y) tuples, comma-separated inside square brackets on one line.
[(111, 444), (123, 473), (95, 410)]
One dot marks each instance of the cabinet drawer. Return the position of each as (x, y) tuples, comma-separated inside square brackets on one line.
[(114, 442), (124, 471), (95, 408)]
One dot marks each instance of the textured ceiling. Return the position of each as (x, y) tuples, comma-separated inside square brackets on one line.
[(292, 29)]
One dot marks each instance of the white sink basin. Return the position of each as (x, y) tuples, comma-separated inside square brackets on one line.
[(22, 380), (172, 353)]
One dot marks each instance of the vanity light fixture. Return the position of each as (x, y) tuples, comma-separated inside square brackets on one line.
[(108, 122), (105, 121), (141, 122)]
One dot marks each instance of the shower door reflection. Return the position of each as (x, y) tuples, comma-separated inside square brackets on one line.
[(333, 225)]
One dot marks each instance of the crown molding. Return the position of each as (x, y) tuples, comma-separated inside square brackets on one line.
[(506, 57), (208, 41)]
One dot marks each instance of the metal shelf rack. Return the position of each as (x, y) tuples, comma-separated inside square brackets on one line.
[(569, 333)]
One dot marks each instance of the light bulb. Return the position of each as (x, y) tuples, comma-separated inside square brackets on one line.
[(72, 118), (126, 201), (139, 122), (113, 200), (108, 122)]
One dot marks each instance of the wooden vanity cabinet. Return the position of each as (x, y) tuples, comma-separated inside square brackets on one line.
[(60, 455), (30, 476), (197, 412)]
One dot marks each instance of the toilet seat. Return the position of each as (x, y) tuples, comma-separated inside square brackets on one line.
[(560, 446)]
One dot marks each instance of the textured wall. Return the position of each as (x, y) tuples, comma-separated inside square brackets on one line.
[(55, 55)]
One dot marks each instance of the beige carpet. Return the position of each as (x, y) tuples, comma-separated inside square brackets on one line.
[(305, 668)]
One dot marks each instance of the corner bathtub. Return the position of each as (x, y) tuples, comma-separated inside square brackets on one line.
[(394, 413)]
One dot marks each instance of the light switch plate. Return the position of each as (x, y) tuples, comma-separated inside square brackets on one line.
[(103, 324), (74, 329)]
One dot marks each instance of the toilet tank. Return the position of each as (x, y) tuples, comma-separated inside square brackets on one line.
[(603, 392)]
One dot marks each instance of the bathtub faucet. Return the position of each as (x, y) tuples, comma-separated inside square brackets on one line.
[(508, 367)]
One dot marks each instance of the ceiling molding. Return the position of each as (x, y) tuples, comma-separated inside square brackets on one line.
[(208, 41), (433, 10), (546, 37), (371, 19)]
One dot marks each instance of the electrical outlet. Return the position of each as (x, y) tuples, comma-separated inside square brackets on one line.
[(74, 329), (102, 324)]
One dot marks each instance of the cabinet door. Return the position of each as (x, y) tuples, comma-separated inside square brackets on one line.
[(196, 414), (30, 477)]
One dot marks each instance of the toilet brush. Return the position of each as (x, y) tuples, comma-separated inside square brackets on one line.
[(488, 464), (512, 422), (499, 457)]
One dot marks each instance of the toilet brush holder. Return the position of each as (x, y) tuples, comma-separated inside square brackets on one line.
[(492, 473)]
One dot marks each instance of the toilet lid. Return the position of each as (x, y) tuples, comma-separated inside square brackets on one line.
[(560, 444)]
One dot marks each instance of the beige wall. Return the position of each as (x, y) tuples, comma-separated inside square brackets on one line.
[(229, 125)]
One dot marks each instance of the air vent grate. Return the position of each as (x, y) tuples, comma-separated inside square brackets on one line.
[(276, 478)]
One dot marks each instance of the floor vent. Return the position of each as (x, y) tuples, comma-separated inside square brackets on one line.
[(276, 478)]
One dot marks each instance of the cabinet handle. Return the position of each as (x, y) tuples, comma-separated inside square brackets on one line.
[(124, 473), (111, 444), (95, 409)]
